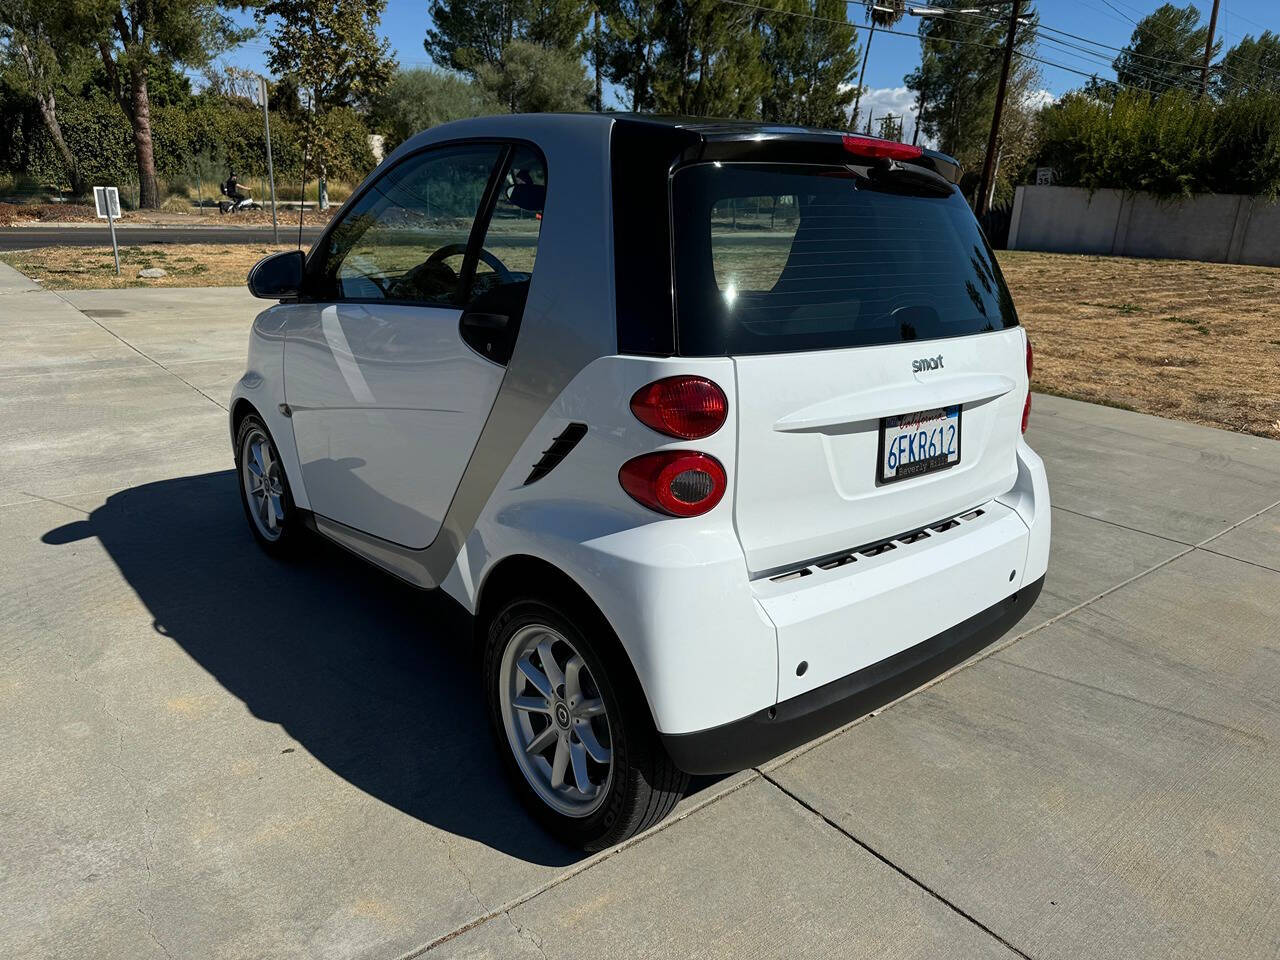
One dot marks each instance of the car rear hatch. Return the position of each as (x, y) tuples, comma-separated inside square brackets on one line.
[(880, 372)]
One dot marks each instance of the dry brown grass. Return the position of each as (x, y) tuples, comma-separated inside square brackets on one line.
[(1191, 341), (186, 265), (175, 211), (14, 213)]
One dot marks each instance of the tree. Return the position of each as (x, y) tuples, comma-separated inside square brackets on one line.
[(956, 83), (135, 38), (230, 82), (557, 24), (465, 34), (1251, 66), (890, 127), (1173, 145), (420, 98), (595, 55), (812, 59), (881, 13), (1165, 51), (331, 51), (39, 60), (710, 61), (534, 79), (630, 48)]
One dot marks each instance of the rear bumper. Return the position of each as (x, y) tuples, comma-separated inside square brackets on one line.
[(769, 732)]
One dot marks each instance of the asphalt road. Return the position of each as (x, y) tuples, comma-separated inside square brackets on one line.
[(206, 753), (25, 238)]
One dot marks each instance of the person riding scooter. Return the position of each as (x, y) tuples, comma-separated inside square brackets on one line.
[(236, 200)]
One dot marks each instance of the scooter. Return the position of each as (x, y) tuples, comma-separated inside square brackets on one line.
[(236, 201)]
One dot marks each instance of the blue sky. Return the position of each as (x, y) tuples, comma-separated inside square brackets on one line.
[(892, 57)]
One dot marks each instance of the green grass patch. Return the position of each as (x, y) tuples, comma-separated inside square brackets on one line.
[(1195, 324)]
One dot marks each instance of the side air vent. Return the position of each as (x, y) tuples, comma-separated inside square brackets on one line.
[(558, 450), (877, 549)]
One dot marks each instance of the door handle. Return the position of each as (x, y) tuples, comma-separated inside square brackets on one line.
[(485, 321)]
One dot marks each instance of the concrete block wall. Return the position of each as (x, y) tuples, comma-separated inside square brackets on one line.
[(1227, 228)]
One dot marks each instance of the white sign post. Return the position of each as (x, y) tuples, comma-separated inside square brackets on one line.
[(107, 200), (271, 174)]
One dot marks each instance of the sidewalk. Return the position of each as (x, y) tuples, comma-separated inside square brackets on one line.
[(208, 753)]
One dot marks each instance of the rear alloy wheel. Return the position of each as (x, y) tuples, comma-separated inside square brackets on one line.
[(264, 488), (556, 721), (575, 731)]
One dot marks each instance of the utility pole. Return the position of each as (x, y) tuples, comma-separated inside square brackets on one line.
[(271, 173), (981, 202), (1208, 50), (866, 55)]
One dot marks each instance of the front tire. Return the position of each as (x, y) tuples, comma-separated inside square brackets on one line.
[(264, 489), (572, 725)]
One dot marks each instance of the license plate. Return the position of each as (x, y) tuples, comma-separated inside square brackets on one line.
[(913, 444)]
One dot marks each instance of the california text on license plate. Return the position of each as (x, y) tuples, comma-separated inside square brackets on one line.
[(913, 444)]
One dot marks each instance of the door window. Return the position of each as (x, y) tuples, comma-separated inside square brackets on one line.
[(405, 239), (511, 241), (504, 266)]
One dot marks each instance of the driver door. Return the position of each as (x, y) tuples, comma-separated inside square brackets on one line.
[(387, 399)]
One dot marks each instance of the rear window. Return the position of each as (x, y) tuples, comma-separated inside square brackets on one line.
[(772, 259)]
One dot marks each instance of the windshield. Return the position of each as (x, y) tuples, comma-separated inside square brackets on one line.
[(773, 258)]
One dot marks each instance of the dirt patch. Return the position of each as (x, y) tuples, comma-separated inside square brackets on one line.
[(14, 213), (185, 265), (174, 213), (262, 218), (1175, 338)]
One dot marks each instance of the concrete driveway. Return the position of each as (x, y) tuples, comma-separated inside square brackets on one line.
[(206, 754)]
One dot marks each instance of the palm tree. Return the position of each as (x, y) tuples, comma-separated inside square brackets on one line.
[(880, 13)]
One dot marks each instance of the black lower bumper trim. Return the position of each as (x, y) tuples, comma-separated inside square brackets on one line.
[(763, 735)]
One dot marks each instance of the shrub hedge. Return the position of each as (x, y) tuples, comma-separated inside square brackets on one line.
[(100, 137), (1172, 145)]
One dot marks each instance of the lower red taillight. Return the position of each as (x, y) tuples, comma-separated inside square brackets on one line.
[(680, 483), (1026, 407)]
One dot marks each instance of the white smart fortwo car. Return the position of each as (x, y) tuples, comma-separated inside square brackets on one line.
[(715, 427)]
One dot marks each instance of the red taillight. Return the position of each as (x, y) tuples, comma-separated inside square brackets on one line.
[(681, 483), (876, 148), (688, 408), (1026, 407)]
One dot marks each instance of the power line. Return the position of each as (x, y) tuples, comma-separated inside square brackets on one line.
[(926, 38), (1151, 73), (1099, 59), (1097, 43)]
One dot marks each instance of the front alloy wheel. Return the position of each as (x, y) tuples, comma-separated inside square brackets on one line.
[(264, 488)]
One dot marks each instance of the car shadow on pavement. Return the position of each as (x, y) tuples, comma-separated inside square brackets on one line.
[(378, 681)]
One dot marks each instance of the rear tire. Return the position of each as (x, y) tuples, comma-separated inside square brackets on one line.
[(554, 724)]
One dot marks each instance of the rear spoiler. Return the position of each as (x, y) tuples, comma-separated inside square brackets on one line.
[(790, 145)]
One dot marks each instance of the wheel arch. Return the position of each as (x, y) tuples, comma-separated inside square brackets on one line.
[(526, 575), (239, 410)]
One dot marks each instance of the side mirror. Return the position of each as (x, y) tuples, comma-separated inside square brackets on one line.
[(278, 276)]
